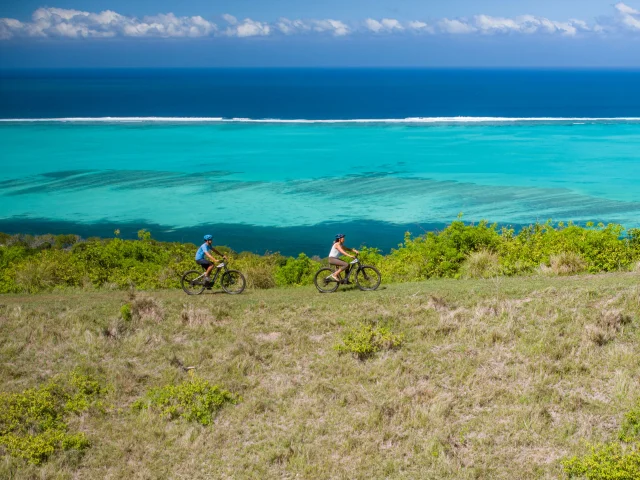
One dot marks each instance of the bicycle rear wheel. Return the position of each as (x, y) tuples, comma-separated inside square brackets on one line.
[(191, 284), (323, 284), (233, 282), (368, 278)]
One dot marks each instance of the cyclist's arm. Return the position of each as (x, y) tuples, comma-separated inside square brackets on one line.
[(343, 250), (210, 257), (218, 253), (352, 250)]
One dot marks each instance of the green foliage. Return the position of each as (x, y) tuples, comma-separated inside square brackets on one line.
[(195, 400), (296, 271), (125, 312), (33, 424), (630, 429), (439, 254), (367, 339), (144, 234), (32, 264), (611, 461), (259, 270), (606, 462)]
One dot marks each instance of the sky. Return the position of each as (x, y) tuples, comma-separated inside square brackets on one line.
[(311, 33)]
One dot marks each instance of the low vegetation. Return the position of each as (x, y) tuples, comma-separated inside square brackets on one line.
[(33, 264), (194, 400), (616, 460), (34, 423), (505, 377), (367, 339)]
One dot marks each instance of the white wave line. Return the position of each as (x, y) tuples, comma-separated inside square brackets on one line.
[(423, 120)]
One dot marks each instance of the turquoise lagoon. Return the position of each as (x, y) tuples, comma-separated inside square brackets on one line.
[(410, 174)]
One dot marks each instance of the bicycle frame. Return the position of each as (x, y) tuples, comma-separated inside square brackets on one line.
[(354, 266), (219, 268)]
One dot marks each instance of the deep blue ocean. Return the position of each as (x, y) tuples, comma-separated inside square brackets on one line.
[(282, 159)]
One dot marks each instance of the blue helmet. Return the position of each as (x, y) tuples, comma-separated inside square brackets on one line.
[(207, 238), (339, 236)]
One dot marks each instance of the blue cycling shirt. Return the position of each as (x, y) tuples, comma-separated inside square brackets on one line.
[(200, 253)]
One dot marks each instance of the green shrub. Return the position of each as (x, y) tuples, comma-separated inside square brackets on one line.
[(367, 339), (630, 429), (144, 234), (195, 400), (125, 312), (33, 423), (296, 271), (606, 462), (481, 264), (33, 264)]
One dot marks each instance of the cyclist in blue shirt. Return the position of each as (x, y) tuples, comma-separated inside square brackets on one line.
[(205, 259)]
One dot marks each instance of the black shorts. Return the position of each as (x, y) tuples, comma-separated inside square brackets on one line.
[(204, 263)]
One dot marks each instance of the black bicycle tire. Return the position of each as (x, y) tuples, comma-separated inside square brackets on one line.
[(362, 269), (194, 290), (320, 276), (231, 292)]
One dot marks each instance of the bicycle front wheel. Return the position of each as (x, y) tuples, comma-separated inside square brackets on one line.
[(233, 282), (323, 281), (192, 282), (368, 278)]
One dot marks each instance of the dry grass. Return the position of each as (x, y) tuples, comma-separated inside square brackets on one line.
[(495, 379), (481, 264), (260, 277), (567, 263)]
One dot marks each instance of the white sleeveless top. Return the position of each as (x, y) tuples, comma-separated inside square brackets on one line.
[(334, 253)]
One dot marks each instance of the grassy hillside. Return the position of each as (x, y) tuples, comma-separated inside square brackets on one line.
[(497, 378)]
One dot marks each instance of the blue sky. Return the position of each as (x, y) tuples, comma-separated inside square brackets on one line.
[(428, 33)]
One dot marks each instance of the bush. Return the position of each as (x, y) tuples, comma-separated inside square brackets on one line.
[(630, 429), (296, 271), (32, 264), (367, 339), (259, 270), (33, 423), (567, 263), (125, 312), (611, 461), (606, 462), (481, 264), (195, 400)]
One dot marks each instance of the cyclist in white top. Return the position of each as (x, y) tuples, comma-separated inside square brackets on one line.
[(338, 249)]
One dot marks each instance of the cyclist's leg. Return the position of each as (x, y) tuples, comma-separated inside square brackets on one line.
[(340, 264), (206, 266)]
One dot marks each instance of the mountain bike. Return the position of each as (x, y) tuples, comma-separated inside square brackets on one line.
[(232, 281), (366, 277)]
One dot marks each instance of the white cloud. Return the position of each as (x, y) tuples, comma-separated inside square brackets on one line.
[(626, 9), (628, 17), (59, 22), (69, 23), (230, 19), (384, 25), (248, 28), (291, 27), (455, 26), (335, 27), (420, 26)]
